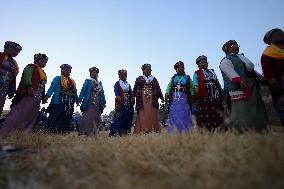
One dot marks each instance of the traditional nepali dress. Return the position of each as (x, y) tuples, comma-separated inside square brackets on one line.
[(93, 104), (180, 92), (124, 110), (61, 108), (8, 72), (272, 61), (247, 108), (33, 76), (147, 92), (209, 99)]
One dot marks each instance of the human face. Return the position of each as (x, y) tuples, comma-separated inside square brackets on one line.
[(234, 48), (41, 63), (123, 77), (203, 64), (94, 74), (180, 70), (12, 52), (147, 71), (66, 72)]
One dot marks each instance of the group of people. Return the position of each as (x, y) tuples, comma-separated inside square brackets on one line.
[(241, 92)]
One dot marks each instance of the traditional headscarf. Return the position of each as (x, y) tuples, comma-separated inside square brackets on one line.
[(122, 71), (202, 57), (179, 63), (144, 66), (63, 66), (40, 56), (273, 36), (10, 44), (226, 46), (94, 69)]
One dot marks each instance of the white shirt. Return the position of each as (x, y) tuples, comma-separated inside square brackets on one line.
[(149, 78), (124, 85)]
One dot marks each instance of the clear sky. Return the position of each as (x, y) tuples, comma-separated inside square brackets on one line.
[(116, 34)]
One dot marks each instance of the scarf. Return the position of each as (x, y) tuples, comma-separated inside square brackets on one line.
[(201, 83), (66, 84), (274, 52), (42, 74), (14, 62)]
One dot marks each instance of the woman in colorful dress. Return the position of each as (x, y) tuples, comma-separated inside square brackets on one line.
[(93, 104), (247, 108), (179, 93), (208, 96), (147, 92), (272, 61), (28, 97), (8, 71), (64, 95), (124, 102)]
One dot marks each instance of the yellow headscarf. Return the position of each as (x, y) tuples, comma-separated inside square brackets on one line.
[(274, 52), (64, 82), (42, 74)]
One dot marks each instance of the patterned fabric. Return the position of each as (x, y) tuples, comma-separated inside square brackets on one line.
[(55, 90), (86, 94), (153, 87), (180, 85), (7, 81), (209, 102), (10, 44), (67, 83), (226, 46)]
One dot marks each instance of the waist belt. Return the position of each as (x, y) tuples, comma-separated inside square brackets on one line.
[(181, 89)]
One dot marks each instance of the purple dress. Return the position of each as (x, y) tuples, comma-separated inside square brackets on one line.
[(180, 118)]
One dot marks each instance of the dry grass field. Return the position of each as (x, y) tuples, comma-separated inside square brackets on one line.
[(220, 160)]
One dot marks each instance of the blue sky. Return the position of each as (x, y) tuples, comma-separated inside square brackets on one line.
[(116, 34)]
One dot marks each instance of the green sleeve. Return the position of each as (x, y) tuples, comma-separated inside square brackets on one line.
[(28, 72), (169, 87)]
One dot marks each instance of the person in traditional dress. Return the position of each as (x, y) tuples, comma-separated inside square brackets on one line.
[(124, 102), (93, 104), (179, 95), (208, 96), (8, 71), (64, 95), (272, 61), (247, 108), (147, 92), (29, 95)]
